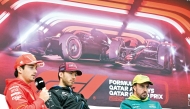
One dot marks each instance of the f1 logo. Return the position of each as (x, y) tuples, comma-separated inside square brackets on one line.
[(86, 84)]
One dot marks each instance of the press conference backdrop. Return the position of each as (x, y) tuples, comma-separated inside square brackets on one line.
[(96, 41)]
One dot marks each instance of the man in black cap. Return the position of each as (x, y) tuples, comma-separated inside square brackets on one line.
[(63, 96)]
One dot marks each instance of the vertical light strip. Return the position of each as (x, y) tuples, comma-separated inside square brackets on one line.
[(172, 22)]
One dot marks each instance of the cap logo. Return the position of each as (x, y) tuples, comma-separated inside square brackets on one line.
[(21, 62), (72, 66)]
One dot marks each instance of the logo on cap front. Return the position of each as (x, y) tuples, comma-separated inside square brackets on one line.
[(21, 62), (72, 66)]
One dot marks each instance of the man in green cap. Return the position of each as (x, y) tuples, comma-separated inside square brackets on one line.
[(139, 99)]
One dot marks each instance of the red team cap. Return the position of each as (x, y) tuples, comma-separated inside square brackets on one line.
[(69, 66), (27, 59)]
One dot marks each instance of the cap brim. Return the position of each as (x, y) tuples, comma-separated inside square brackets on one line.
[(79, 73), (148, 82), (144, 82), (151, 83), (39, 63)]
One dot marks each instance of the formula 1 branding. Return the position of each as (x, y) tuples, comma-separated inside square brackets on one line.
[(121, 89)]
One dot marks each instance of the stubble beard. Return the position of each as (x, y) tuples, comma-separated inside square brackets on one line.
[(143, 97), (66, 83)]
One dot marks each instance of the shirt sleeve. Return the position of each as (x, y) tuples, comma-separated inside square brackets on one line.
[(53, 102), (125, 105), (17, 99), (159, 106), (85, 102)]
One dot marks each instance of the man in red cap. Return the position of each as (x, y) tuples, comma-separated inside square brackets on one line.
[(63, 96), (18, 92)]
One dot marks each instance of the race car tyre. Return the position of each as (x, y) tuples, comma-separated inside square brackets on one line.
[(71, 47)]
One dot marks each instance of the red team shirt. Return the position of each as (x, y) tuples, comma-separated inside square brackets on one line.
[(19, 95)]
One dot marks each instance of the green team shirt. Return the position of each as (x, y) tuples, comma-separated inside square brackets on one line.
[(134, 102)]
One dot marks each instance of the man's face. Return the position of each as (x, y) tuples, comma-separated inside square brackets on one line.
[(141, 90), (68, 78), (28, 73)]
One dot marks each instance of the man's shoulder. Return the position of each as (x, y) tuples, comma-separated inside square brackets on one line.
[(139, 102), (127, 101), (54, 89), (57, 90), (153, 101), (15, 82), (14, 85)]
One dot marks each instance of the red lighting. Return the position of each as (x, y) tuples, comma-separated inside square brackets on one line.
[(167, 7), (167, 14), (20, 3)]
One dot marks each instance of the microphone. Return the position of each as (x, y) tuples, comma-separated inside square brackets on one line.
[(39, 82)]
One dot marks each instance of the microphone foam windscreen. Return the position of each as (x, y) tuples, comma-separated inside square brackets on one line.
[(39, 82)]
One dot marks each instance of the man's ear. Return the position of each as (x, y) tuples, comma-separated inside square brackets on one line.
[(19, 69), (134, 88), (60, 74)]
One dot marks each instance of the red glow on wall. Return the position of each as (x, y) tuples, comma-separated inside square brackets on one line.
[(166, 14), (167, 7), (166, 19)]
